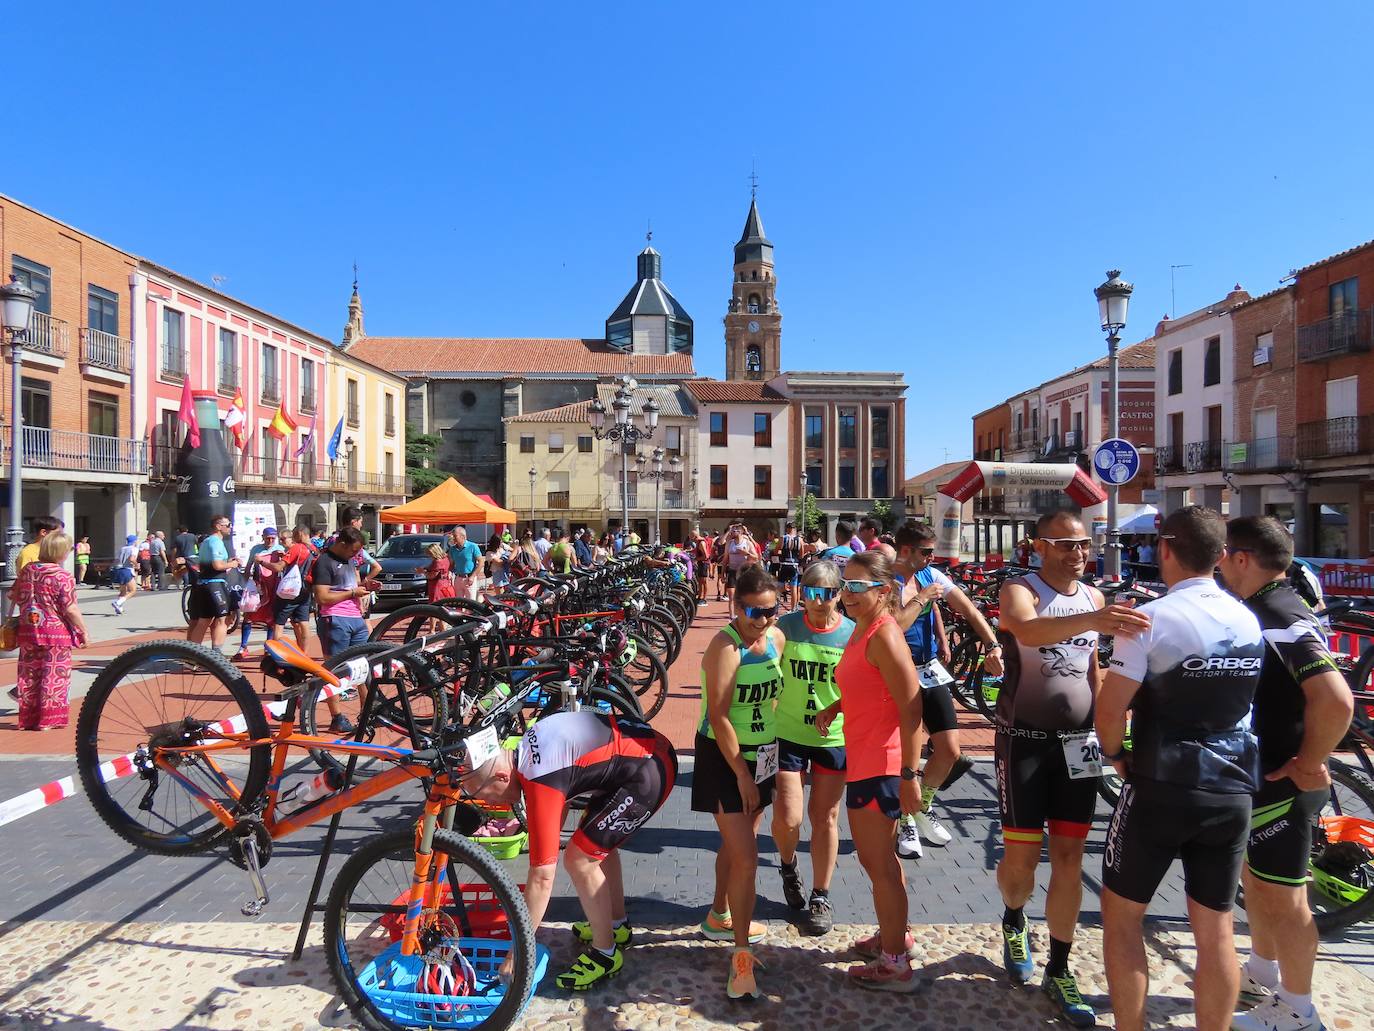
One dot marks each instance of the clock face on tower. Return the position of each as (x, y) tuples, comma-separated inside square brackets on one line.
[(753, 326)]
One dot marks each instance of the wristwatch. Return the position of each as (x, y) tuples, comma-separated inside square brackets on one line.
[(908, 773)]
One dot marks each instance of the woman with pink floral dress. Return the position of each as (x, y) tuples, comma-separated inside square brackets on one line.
[(50, 626)]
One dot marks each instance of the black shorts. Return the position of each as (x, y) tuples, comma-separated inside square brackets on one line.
[(613, 816), (731, 574), (714, 787), (937, 709), (209, 600), (1281, 824), (291, 610), (795, 758), (1034, 788), (880, 793), (1154, 824), (145, 567), (789, 573)]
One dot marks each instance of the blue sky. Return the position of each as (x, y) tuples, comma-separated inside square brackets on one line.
[(944, 184)]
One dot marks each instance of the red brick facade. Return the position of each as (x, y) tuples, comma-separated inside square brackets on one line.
[(1271, 383)]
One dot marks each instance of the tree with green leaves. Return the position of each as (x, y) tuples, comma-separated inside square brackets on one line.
[(808, 514), (421, 449), (882, 511)]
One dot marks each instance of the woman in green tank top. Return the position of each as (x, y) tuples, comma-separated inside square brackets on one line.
[(736, 761)]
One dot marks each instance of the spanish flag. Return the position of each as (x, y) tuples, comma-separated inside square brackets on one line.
[(282, 425)]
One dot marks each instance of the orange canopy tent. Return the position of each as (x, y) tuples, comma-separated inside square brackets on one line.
[(450, 502)]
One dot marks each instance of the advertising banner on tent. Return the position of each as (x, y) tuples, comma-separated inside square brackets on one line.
[(250, 518)]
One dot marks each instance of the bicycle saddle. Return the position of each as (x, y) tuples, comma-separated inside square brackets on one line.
[(287, 663)]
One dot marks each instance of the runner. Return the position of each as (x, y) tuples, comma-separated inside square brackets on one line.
[(209, 605), (740, 552), (718, 561), (1189, 680), (880, 698), (1302, 710), (816, 635), (701, 563), (627, 769), (736, 759), (123, 574), (919, 618), (789, 549), (1050, 624)]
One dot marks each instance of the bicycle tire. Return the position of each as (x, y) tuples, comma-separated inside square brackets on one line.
[(620, 699), (672, 637), (652, 688), (1358, 678), (127, 719), (1358, 784), (186, 604), (396, 845)]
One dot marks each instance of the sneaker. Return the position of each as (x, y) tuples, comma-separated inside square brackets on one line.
[(961, 766), (341, 724), (118, 608), (241, 655), (818, 919), (1016, 953), (871, 947), (591, 968), (1252, 991), (931, 829), (722, 929), (1063, 992), (1273, 1014), (792, 886), (880, 975), (741, 984), (908, 840), (621, 933)]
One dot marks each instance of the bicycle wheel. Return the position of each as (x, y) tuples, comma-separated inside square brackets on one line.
[(186, 604), (169, 693), (617, 700), (427, 703), (1341, 888), (647, 677), (480, 913)]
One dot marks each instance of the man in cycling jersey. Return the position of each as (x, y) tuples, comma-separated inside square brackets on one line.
[(922, 585), (627, 770), (1302, 710), (1189, 681), (1049, 627), (789, 549)]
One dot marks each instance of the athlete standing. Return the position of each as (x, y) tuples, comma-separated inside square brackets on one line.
[(1302, 710), (1049, 623), (1189, 681), (816, 636)]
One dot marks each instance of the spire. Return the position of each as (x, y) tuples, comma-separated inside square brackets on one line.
[(753, 245), (353, 330), (649, 264)]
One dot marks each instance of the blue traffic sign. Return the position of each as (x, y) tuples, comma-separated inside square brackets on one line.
[(1116, 461)]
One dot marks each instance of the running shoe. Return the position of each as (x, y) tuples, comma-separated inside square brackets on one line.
[(871, 947), (881, 975), (1273, 1014), (1063, 992), (818, 919), (241, 655), (741, 984), (908, 839), (590, 969), (961, 766), (118, 608), (341, 724), (722, 929), (1252, 991), (621, 933), (1016, 953), (792, 885), (931, 829)]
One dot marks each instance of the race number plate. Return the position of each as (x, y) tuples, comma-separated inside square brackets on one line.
[(1082, 754), (765, 762), (934, 674), (482, 746)]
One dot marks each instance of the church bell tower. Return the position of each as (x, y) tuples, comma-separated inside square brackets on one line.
[(753, 325)]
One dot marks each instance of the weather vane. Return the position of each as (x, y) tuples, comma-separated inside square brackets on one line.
[(355, 275), (753, 181), (649, 232)]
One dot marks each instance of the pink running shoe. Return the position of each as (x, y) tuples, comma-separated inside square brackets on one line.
[(871, 947), (882, 975)]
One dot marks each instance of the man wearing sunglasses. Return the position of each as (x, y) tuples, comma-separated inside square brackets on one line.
[(922, 586), (1050, 622)]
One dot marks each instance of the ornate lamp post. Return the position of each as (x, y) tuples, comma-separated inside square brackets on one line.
[(17, 300), (1113, 298), (624, 432), (534, 476), (658, 475)]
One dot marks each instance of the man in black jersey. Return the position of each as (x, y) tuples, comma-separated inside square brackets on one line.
[(1302, 710)]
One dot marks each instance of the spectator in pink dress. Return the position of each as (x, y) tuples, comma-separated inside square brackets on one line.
[(50, 626)]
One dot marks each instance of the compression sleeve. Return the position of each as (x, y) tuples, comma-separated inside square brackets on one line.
[(544, 807)]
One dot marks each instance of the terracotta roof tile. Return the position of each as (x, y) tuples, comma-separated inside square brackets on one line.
[(575, 412), (440, 356), (1333, 257), (716, 391)]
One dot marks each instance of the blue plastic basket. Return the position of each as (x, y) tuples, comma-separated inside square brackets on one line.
[(389, 979)]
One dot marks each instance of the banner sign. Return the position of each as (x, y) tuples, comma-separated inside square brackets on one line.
[(250, 519)]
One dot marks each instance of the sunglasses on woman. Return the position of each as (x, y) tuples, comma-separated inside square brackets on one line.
[(759, 611), (860, 586), (819, 593)]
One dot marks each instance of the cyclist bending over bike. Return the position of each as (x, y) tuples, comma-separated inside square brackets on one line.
[(628, 770)]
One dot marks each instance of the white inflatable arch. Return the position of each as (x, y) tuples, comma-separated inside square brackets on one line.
[(1072, 480)]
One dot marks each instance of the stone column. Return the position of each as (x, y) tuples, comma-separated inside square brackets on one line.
[(1211, 496), (1174, 499), (1251, 501), (62, 505)]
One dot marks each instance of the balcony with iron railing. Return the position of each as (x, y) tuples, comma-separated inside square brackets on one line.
[(1025, 440), (1265, 454), (1168, 459), (171, 361), (1202, 456), (227, 378), (271, 391), (47, 335), (1331, 337), (308, 400), (71, 451), (101, 350), (1336, 438)]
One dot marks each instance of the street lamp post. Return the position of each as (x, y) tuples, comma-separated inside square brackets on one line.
[(624, 432), (17, 301), (1113, 299), (533, 475), (658, 475)]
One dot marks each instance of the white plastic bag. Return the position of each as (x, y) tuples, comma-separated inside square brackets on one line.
[(252, 598), (290, 586)]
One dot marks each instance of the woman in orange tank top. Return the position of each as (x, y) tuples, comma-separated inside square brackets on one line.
[(880, 697)]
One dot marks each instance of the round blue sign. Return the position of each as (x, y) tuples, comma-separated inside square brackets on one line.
[(1116, 461)]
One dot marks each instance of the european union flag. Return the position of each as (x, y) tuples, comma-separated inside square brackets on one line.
[(335, 439)]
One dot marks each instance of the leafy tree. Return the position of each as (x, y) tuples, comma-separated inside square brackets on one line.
[(420, 451), (808, 513), (882, 511)]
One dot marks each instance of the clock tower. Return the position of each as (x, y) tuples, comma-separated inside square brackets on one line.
[(753, 325)]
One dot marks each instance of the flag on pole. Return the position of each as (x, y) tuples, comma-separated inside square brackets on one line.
[(308, 439), (235, 418), (282, 425), (335, 441), (187, 414)]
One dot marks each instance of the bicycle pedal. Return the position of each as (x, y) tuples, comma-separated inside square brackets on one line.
[(246, 841)]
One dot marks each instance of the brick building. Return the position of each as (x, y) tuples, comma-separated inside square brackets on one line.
[(82, 459)]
